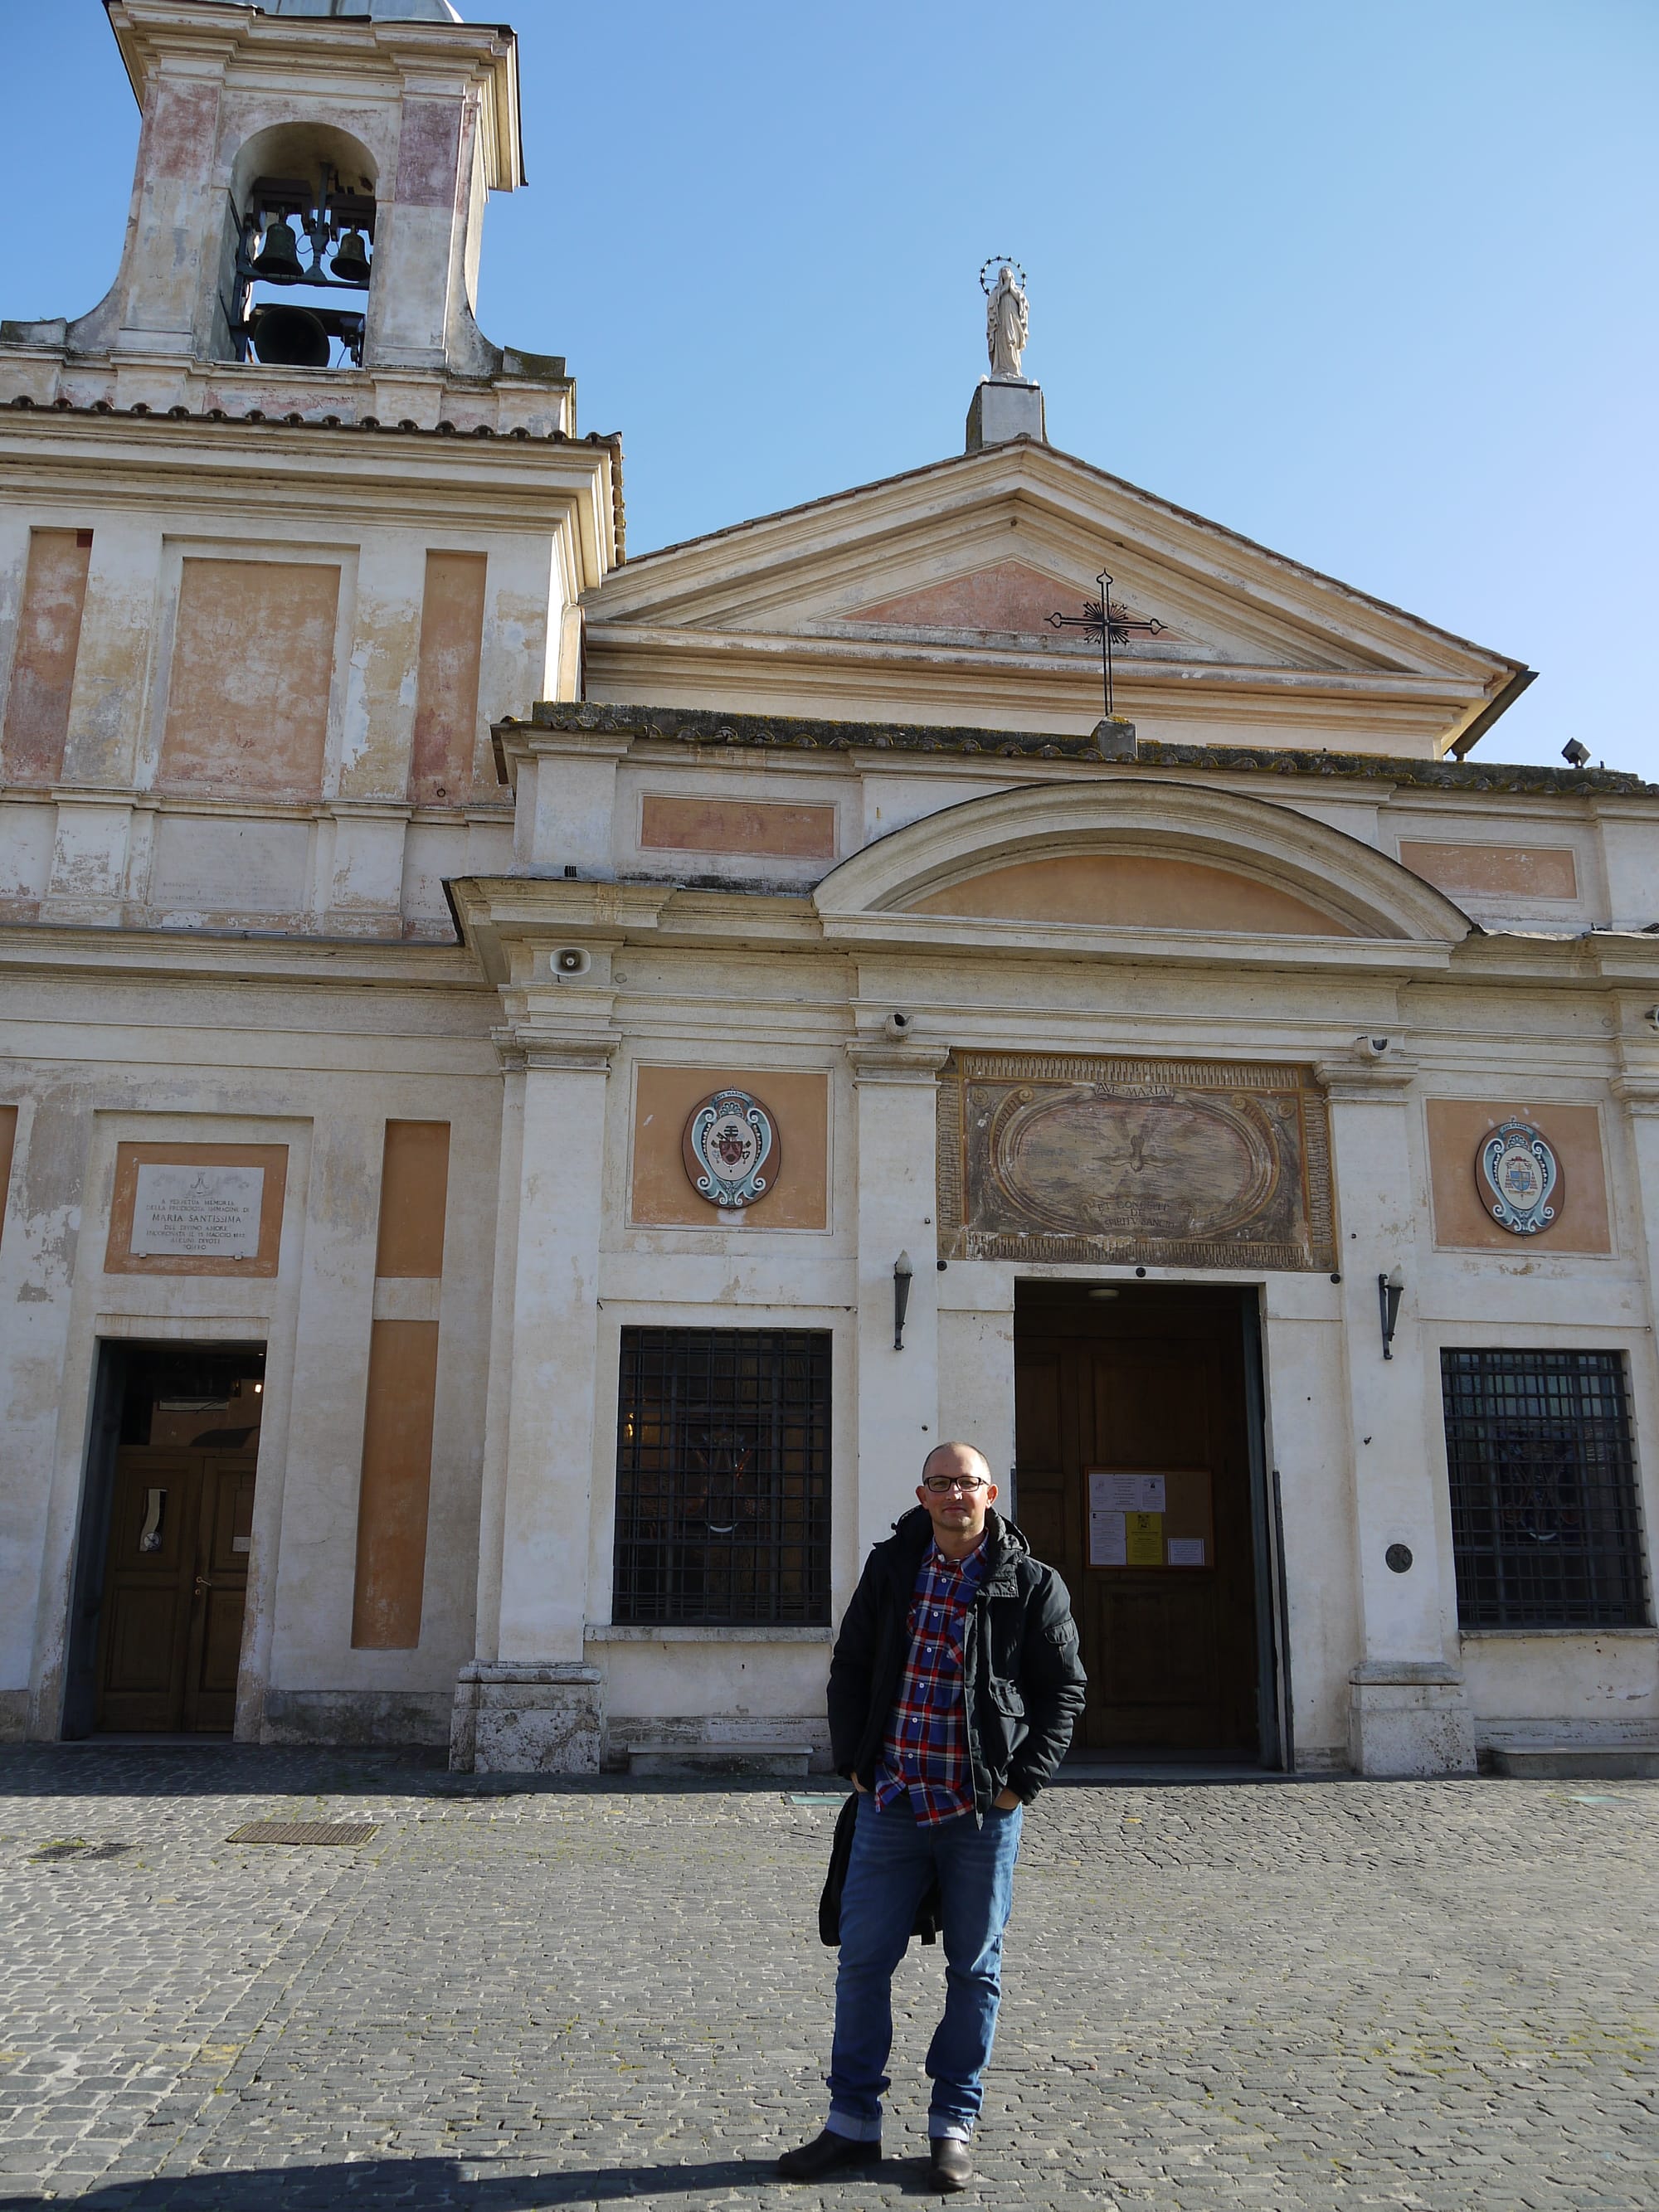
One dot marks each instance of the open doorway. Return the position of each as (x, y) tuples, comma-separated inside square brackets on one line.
[(167, 1527), (1139, 1476)]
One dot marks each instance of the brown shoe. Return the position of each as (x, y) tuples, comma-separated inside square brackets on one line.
[(949, 2166), (825, 2153)]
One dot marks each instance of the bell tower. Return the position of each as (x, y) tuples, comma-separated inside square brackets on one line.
[(307, 207), (283, 535)]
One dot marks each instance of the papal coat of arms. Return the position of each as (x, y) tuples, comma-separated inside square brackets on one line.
[(1519, 1173), (731, 1151)]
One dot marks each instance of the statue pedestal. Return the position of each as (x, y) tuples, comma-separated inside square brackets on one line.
[(1002, 409), (1116, 740)]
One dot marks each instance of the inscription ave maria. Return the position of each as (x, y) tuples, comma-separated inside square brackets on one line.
[(197, 1212)]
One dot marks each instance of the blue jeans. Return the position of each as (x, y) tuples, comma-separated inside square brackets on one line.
[(893, 1861)]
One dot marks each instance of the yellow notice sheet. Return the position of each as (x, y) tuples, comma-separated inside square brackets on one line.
[(1144, 1539)]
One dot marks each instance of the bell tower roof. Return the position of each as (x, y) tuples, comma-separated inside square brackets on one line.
[(382, 11)]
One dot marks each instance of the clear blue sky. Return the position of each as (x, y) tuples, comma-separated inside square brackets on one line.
[(1377, 284)]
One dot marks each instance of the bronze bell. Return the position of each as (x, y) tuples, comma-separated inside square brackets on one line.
[(290, 338), (279, 256), (350, 264)]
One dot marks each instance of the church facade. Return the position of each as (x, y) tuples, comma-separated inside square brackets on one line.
[(538, 1085)]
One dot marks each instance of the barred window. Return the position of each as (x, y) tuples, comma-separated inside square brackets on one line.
[(723, 1476), (1545, 1525)]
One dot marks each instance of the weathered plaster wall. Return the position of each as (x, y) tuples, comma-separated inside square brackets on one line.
[(394, 1496), (798, 1101), (1330, 1400), (670, 824), (271, 1063), (251, 669), (244, 739), (1130, 889), (1595, 1688), (1525, 871), (1458, 1128), (43, 656), (446, 710)]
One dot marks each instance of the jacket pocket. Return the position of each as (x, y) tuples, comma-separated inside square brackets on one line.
[(1005, 1724)]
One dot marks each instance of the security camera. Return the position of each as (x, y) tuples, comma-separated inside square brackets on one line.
[(1372, 1047), (1575, 754), (1652, 1017), (571, 960), (899, 1025)]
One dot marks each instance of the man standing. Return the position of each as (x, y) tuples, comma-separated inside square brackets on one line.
[(953, 1691)]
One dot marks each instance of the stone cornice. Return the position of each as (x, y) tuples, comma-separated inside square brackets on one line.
[(522, 1047), (325, 465), (1353, 1083), (879, 1060), (517, 742), (1421, 1672), (811, 652), (538, 907), (708, 727), (341, 388), (227, 958)]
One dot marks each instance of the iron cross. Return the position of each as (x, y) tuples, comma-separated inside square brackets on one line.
[(1112, 624)]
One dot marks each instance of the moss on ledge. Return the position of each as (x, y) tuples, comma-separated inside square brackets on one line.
[(708, 726)]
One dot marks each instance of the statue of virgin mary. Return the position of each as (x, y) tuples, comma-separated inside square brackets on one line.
[(1007, 328)]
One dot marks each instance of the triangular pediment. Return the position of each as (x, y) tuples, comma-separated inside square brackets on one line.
[(935, 588)]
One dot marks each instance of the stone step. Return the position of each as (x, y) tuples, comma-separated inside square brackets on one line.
[(1579, 1762), (736, 1759)]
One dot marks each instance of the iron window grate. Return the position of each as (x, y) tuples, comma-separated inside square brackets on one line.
[(1545, 1530), (723, 1477)]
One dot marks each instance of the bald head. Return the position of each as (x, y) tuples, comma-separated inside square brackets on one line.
[(956, 1459)]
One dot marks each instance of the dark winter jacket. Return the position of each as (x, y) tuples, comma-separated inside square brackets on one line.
[(1023, 1679)]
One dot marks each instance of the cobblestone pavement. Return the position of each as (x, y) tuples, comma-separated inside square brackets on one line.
[(1342, 1993)]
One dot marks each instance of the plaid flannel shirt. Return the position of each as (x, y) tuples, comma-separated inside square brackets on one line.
[(925, 1751)]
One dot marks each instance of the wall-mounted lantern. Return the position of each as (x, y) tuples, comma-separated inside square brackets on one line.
[(902, 1274), (1389, 1289)]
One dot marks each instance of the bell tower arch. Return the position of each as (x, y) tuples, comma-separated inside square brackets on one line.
[(296, 274)]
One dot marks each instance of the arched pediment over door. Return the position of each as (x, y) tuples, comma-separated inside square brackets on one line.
[(1064, 1152), (1122, 865)]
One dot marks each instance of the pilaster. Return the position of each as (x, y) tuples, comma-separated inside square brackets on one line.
[(90, 858), (895, 1087), (1407, 1713), (530, 1703), (1637, 1093), (564, 784)]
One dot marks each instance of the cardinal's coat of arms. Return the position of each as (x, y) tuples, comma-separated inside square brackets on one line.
[(732, 1150), (1519, 1171)]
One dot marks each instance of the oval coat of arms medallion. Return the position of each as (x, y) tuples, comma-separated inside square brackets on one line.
[(731, 1148), (1519, 1173)]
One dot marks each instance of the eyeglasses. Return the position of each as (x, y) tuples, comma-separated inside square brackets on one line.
[(942, 1485)]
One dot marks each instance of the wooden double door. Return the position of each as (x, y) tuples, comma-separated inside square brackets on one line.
[(1133, 1477), (175, 1584)]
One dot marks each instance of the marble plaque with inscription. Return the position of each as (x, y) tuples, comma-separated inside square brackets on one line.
[(197, 1212), (1182, 1163)]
